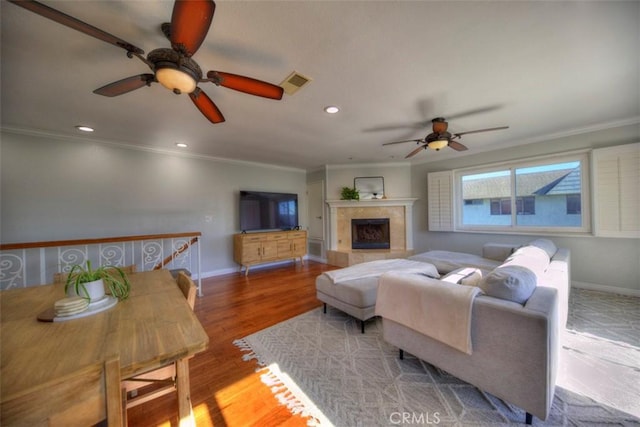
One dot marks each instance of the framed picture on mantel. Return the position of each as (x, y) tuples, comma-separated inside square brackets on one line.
[(369, 187)]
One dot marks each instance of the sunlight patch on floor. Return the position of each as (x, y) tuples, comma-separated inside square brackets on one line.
[(289, 394), (605, 370), (202, 415)]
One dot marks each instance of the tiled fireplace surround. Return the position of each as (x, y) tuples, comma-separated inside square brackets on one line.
[(399, 212)]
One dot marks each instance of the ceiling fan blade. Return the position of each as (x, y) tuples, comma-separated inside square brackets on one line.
[(457, 146), (458, 135), (206, 106), (76, 24), (190, 22), (415, 125), (416, 151), (401, 142), (246, 84), (474, 111), (125, 85)]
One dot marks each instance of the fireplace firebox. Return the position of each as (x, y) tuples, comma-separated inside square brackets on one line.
[(370, 233)]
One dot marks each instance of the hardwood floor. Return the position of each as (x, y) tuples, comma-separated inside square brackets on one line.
[(225, 390)]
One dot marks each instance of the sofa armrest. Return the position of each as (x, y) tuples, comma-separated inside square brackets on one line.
[(497, 251), (515, 349), (524, 339)]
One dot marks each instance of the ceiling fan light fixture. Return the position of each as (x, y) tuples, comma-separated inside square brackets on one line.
[(438, 144), (176, 72), (176, 80)]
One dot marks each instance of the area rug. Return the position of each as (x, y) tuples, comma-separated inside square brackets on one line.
[(322, 367)]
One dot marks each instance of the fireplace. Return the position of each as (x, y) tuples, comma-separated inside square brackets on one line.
[(370, 233)]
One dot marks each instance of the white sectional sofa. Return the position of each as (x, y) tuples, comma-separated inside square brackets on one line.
[(515, 323)]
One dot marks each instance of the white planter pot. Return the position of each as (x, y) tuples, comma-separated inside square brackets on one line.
[(95, 290)]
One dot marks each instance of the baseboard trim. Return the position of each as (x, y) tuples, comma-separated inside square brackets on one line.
[(317, 259), (605, 288), (254, 267), (220, 272)]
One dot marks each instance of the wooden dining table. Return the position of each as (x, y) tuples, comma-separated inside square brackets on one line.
[(50, 372)]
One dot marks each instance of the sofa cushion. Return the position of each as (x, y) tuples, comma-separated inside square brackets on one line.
[(513, 283), (447, 261), (546, 245), (531, 257), (467, 276), (498, 251)]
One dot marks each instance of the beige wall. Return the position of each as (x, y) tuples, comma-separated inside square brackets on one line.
[(397, 178), (55, 189)]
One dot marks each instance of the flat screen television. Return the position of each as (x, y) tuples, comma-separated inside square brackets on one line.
[(261, 210)]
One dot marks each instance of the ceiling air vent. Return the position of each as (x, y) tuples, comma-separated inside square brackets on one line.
[(294, 82)]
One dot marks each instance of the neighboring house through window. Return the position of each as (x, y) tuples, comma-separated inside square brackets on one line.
[(532, 195)]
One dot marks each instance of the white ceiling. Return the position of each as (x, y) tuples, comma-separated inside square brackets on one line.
[(545, 69)]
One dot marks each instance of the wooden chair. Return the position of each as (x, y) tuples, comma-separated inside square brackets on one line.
[(158, 382), (188, 288)]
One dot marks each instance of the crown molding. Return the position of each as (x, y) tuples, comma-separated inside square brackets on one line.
[(164, 151)]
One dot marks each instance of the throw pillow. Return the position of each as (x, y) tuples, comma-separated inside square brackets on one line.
[(512, 283), (531, 257), (546, 245), (467, 276)]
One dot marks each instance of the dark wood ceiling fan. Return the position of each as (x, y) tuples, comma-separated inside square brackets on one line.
[(441, 137), (171, 67)]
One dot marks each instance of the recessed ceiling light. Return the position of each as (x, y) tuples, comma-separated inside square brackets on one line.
[(84, 128), (331, 109), (181, 145)]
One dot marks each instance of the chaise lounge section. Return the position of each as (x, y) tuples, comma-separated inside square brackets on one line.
[(354, 289)]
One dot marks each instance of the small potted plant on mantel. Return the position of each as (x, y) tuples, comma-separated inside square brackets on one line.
[(90, 283), (349, 193)]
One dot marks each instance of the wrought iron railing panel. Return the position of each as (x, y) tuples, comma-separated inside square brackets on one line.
[(33, 264)]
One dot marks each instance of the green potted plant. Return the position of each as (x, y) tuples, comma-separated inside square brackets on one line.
[(349, 193), (90, 283)]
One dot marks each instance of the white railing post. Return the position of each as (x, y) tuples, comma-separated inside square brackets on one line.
[(43, 266), (199, 272)]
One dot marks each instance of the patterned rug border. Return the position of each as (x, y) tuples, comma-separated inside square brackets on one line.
[(282, 386), (290, 394)]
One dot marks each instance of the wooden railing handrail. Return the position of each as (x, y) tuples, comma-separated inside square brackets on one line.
[(31, 245), (177, 252)]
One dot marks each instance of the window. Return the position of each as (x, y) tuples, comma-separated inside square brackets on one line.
[(538, 195), (573, 204), (492, 189), (500, 207), (524, 206)]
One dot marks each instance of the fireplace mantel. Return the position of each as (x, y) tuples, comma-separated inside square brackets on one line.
[(406, 203)]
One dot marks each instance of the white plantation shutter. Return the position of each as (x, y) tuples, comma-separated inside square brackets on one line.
[(440, 200), (616, 173)]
